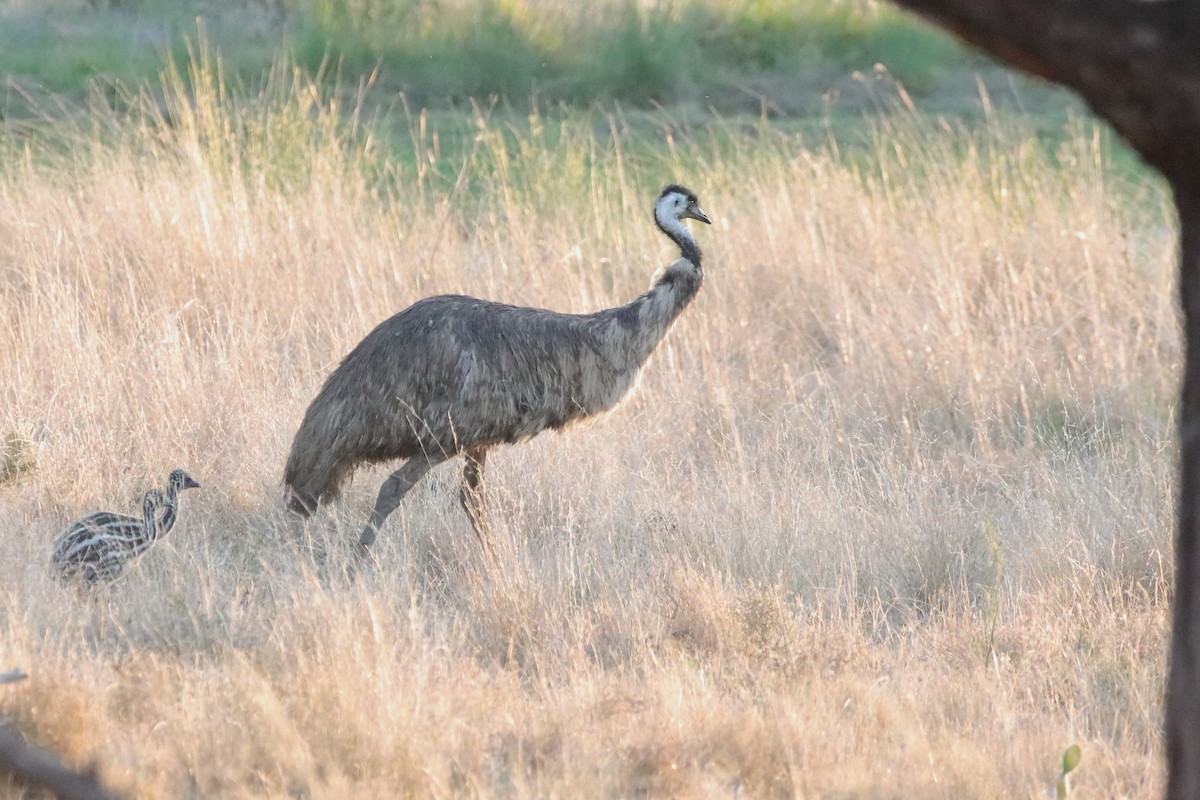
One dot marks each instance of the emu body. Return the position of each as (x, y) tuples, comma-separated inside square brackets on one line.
[(98, 546), (457, 375)]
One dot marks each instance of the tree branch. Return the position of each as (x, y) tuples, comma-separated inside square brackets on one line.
[(41, 769), (1135, 63), (12, 676)]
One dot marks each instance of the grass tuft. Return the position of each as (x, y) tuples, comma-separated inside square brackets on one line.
[(18, 458)]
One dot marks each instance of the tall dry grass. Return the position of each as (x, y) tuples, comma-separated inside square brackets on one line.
[(889, 516)]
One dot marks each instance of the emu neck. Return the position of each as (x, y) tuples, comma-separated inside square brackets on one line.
[(677, 232), (641, 324), (150, 521), (166, 519)]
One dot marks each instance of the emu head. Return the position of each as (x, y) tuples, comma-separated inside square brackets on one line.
[(676, 203), (178, 479)]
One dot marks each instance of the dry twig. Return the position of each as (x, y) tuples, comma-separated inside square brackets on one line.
[(42, 769), (12, 676)]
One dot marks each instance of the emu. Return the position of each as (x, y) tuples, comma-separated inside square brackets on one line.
[(98, 546), (455, 375)]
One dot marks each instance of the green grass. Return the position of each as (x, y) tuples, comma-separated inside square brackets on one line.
[(624, 51), (713, 52), (69, 50)]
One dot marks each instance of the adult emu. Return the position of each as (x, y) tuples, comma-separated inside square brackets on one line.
[(455, 375)]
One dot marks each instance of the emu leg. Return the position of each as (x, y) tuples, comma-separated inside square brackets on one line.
[(472, 492), (392, 492)]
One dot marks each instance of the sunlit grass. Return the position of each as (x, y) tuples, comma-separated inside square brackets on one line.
[(889, 515)]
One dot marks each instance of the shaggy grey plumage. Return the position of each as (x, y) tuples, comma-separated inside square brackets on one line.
[(455, 375)]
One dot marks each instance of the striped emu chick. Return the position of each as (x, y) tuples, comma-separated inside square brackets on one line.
[(455, 375), (98, 546)]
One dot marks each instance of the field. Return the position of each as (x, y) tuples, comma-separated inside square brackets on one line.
[(889, 516), (715, 53)]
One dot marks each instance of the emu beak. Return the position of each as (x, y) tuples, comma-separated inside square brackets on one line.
[(190, 483), (693, 212)]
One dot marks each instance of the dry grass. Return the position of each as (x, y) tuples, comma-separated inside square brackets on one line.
[(889, 517)]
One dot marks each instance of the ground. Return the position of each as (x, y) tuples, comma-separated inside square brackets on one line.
[(889, 515)]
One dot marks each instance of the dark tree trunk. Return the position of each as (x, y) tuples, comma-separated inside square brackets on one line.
[(1137, 64), (1183, 685)]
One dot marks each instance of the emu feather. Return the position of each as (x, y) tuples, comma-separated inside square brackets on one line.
[(455, 375)]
